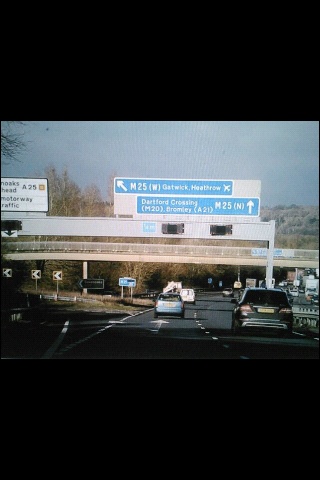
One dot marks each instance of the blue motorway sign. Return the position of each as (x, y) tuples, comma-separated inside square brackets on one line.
[(198, 206), (149, 227), (127, 282), (277, 252), (153, 186)]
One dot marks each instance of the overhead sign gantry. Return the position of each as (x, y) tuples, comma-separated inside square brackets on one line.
[(158, 196), (154, 207)]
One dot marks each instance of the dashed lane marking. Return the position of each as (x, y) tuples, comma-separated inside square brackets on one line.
[(57, 342)]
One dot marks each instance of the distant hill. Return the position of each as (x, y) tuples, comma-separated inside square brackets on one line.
[(296, 226)]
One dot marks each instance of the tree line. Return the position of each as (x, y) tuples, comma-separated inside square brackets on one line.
[(66, 199)]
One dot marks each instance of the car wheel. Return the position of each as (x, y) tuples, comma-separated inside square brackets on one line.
[(182, 316), (155, 315)]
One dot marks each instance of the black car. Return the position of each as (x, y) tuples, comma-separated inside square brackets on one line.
[(262, 308)]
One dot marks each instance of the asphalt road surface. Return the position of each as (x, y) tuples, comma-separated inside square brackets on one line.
[(204, 333)]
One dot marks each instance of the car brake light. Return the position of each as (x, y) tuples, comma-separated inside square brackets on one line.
[(156, 303), (245, 308), (285, 310)]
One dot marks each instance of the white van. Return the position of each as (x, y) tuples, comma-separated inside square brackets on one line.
[(188, 295)]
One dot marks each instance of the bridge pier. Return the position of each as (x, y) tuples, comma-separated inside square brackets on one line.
[(270, 253)]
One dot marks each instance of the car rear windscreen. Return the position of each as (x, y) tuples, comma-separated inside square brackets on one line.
[(170, 298), (265, 297)]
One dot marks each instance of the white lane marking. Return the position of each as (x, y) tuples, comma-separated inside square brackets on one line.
[(81, 340), (136, 314), (158, 324), (57, 342)]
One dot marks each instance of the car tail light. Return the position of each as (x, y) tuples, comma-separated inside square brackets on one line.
[(156, 303), (245, 308), (285, 310)]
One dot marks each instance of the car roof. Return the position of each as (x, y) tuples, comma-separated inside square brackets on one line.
[(264, 293), (169, 293)]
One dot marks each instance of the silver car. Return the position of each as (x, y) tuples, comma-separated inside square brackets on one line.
[(169, 304)]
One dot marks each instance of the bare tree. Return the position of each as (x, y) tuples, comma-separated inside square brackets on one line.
[(70, 196), (12, 143), (64, 194), (110, 195), (92, 204), (54, 189), (110, 188)]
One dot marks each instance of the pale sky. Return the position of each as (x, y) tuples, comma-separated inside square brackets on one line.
[(284, 155)]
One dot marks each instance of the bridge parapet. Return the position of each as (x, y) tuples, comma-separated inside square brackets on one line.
[(145, 248)]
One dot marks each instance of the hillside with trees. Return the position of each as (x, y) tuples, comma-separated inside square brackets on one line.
[(296, 226)]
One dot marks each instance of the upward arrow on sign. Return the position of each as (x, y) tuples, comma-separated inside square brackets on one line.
[(250, 204)]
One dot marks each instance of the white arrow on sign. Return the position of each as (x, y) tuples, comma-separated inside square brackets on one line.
[(250, 204), (7, 272), (9, 233), (36, 274), (120, 184)]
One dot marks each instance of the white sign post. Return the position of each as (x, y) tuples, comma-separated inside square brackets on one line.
[(36, 275), (58, 277), (7, 272)]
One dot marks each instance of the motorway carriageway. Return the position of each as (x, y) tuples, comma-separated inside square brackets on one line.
[(204, 333)]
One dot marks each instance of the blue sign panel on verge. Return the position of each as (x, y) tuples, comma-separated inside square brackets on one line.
[(198, 206), (277, 252), (173, 187), (127, 282)]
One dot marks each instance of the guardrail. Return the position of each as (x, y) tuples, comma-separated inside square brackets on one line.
[(68, 299), (306, 316)]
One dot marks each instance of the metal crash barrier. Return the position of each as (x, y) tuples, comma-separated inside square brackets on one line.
[(305, 316)]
